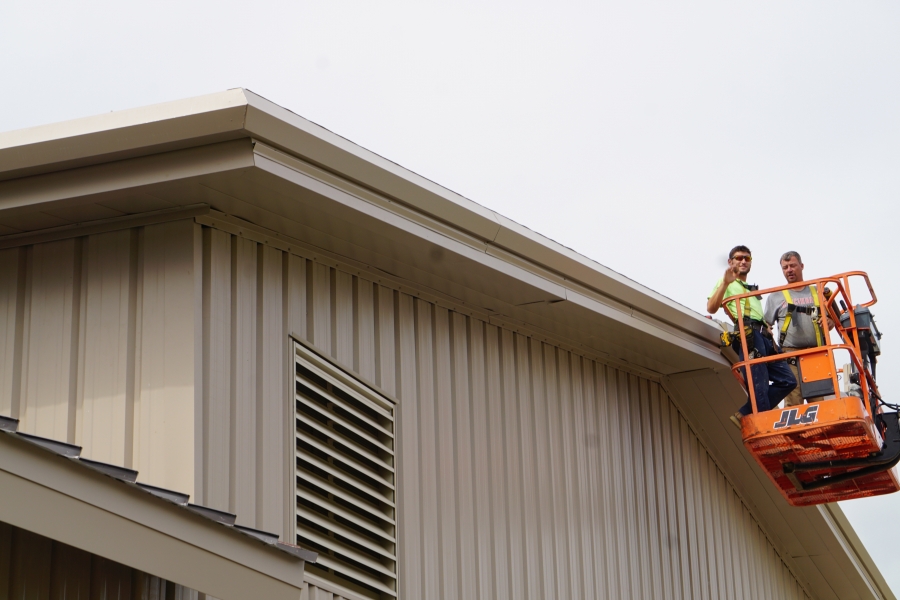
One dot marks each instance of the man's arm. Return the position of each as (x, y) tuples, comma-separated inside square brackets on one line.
[(714, 302)]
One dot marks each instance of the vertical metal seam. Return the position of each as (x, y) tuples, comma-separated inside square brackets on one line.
[(419, 428), (288, 410), (332, 282), (23, 330), (354, 302), (310, 302), (138, 344), (74, 336), (131, 345), (233, 387), (454, 438), (376, 333), (260, 374), (206, 275)]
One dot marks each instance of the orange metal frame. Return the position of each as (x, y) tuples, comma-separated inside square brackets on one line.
[(850, 335), (839, 429)]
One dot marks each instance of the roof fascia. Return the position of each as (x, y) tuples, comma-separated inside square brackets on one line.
[(123, 134), (854, 550), (54, 497), (241, 113), (303, 139), (70, 185), (300, 173), (267, 122)]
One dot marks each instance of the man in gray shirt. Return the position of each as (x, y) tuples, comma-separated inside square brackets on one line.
[(802, 329)]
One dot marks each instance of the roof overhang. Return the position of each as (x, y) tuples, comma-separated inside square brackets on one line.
[(255, 161), (56, 497)]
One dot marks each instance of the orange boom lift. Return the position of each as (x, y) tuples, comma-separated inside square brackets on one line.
[(840, 448)]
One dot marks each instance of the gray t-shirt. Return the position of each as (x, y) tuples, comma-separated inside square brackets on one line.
[(801, 333)]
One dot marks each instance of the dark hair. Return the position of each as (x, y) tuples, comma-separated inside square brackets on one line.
[(791, 254), (739, 249)]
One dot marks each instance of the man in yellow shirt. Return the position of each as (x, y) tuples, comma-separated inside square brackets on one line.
[(760, 343)]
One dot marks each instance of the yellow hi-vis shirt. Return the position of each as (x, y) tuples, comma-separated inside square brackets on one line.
[(736, 288)]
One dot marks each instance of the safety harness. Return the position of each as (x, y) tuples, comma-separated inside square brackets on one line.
[(745, 312), (792, 308), (729, 338)]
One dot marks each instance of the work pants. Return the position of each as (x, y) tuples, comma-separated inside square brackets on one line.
[(768, 395)]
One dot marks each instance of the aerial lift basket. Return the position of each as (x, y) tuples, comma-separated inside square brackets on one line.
[(844, 446)]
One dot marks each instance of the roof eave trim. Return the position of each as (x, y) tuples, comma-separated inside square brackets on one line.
[(58, 498), (123, 134)]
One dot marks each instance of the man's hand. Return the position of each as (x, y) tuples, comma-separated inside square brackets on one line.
[(822, 320), (715, 301), (729, 276)]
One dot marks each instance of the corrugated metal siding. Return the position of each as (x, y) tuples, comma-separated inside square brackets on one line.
[(33, 567), (525, 471), (98, 336), (98, 339)]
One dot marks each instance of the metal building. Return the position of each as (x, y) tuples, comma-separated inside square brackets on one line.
[(244, 307)]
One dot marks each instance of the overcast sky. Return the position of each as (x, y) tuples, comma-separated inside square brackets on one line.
[(649, 136)]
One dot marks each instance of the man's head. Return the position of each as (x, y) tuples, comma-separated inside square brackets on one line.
[(792, 267), (739, 259)]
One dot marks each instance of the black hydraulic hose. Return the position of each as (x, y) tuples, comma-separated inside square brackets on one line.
[(813, 485), (888, 458)]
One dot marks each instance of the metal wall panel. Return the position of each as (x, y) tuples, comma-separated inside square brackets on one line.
[(108, 344), (52, 293), (12, 291), (525, 470), (33, 567), (164, 415)]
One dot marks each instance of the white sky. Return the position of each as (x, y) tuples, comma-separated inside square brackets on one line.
[(649, 136)]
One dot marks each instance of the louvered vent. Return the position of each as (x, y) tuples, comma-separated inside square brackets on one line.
[(345, 477)]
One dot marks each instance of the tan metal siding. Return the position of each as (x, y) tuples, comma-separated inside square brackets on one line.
[(98, 346), (51, 326), (107, 397), (12, 292), (243, 376), (272, 446), (164, 415), (525, 470)]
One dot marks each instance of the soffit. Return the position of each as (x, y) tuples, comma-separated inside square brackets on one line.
[(260, 185), (241, 113)]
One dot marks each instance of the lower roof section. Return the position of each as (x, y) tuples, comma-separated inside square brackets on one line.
[(57, 498)]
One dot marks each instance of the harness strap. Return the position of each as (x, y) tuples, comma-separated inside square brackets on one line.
[(786, 322), (818, 329), (791, 308), (745, 302)]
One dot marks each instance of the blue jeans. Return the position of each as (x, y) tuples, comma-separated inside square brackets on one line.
[(768, 395)]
